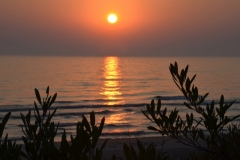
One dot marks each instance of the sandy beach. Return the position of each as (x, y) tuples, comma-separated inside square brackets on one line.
[(175, 149)]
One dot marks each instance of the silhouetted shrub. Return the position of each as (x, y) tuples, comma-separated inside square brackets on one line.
[(8, 149), (83, 145), (148, 153), (210, 137), (39, 135)]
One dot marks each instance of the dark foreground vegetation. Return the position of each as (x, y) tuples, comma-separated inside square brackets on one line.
[(213, 133)]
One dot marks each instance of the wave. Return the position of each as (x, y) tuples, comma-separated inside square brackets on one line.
[(166, 98), (68, 105), (124, 133), (117, 134)]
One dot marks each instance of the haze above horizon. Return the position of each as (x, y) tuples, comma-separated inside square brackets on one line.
[(143, 28)]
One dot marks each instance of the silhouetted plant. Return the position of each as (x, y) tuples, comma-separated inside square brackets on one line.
[(190, 131), (8, 149), (40, 134), (232, 141), (3, 123), (148, 153), (83, 145)]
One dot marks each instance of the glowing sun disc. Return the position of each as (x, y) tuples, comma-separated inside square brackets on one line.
[(112, 18)]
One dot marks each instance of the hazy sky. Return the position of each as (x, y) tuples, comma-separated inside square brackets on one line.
[(144, 27)]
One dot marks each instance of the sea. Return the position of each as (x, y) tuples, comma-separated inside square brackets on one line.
[(116, 88)]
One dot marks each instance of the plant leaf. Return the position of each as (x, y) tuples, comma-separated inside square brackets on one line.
[(127, 152), (38, 96), (47, 90)]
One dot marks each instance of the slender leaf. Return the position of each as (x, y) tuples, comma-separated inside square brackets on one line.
[(47, 90), (134, 153), (103, 145), (38, 96), (2, 125), (53, 99), (92, 119), (152, 128), (159, 106), (127, 152), (141, 148)]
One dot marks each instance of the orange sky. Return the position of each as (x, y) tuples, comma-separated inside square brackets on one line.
[(156, 27)]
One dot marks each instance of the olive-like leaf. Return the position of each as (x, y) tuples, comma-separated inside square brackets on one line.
[(103, 145), (101, 125), (159, 106), (152, 128), (92, 119), (141, 148), (47, 90), (134, 153), (127, 152), (2, 125), (38, 96), (53, 99)]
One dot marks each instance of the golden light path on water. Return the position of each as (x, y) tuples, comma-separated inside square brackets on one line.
[(112, 79), (111, 91)]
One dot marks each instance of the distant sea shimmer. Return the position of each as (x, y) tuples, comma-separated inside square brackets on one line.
[(115, 87)]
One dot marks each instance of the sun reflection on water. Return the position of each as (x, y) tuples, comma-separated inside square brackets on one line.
[(112, 81)]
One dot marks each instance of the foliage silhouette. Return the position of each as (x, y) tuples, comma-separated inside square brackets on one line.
[(8, 149), (205, 133), (83, 145), (39, 136), (148, 153)]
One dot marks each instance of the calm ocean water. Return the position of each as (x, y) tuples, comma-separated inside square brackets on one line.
[(114, 87)]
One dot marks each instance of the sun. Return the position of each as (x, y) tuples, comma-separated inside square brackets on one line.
[(112, 18)]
